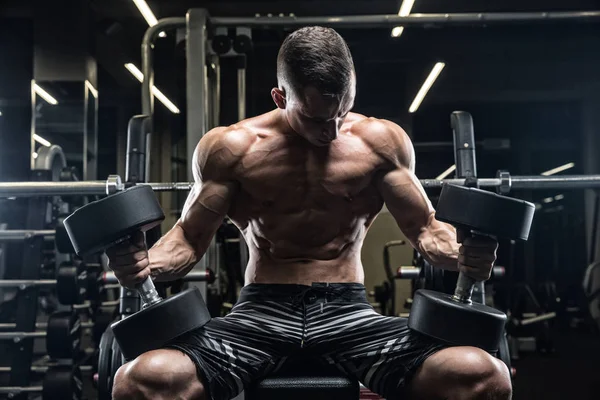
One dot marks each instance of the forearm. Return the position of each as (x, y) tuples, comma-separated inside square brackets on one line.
[(437, 244), (173, 256)]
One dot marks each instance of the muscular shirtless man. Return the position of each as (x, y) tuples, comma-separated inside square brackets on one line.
[(303, 183)]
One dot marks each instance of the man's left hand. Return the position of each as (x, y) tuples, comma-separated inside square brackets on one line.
[(477, 256)]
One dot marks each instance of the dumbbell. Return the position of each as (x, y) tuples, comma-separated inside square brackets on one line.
[(115, 219), (455, 319), (60, 383), (63, 335)]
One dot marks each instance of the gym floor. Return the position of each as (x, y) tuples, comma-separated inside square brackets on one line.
[(571, 373)]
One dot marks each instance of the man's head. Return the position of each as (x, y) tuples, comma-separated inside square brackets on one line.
[(316, 80)]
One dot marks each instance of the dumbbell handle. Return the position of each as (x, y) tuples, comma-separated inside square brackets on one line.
[(464, 288), (464, 284), (146, 289), (148, 292)]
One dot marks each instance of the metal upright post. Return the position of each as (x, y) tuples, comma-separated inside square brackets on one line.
[(466, 167), (197, 103)]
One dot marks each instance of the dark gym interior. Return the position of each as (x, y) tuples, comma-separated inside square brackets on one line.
[(525, 75)]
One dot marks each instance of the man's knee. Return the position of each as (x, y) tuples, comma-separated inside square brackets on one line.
[(159, 374), (465, 373)]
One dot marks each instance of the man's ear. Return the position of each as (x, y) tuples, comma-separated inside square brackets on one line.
[(278, 96)]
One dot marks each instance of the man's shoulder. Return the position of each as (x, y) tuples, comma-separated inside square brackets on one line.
[(384, 137), (221, 149)]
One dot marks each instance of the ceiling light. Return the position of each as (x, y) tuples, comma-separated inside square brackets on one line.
[(44, 95), (548, 200), (558, 169), (446, 172), (41, 140), (559, 197), (405, 8), (157, 93), (147, 14), (91, 88), (435, 72)]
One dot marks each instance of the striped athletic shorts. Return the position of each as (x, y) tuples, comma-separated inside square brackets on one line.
[(332, 323)]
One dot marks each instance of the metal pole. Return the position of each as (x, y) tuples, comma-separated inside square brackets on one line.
[(41, 325), (425, 20), (148, 72), (109, 277), (34, 189), (556, 182), (44, 368), (241, 84), (466, 167), (197, 104), (19, 235), (147, 43), (113, 184), (436, 183), (24, 283)]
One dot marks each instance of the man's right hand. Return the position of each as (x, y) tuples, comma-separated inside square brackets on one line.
[(129, 260)]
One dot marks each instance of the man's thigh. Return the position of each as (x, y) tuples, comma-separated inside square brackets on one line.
[(232, 352), (381, 352)]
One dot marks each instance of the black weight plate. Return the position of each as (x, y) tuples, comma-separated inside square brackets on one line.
[(102, 320), (156, 325), (69, 288), (104, 365), (61, 238), (97, 225), (117, 361), (63, 336), (485, 212), (242, 44), (62, 383), (438, 315), (221, 44), (504, 351)]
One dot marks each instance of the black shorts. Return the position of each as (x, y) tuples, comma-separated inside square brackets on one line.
[(334, 323)]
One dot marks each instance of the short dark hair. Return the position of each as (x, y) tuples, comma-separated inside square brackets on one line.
[(315, 56)]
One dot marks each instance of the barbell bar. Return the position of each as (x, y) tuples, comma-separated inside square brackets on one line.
[(107, 277), (44, 368), (40, 325), (503, 183), (412, 272), (22, 234), (60, 382)]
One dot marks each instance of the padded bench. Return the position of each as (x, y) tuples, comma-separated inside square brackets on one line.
[(305, 379)]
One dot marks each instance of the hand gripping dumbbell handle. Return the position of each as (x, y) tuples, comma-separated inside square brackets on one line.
[(146, 289), (464, 284)]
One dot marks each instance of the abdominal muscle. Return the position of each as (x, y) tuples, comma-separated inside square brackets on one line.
[(326, 250)]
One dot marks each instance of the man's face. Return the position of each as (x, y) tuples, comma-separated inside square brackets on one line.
[(316, 117)]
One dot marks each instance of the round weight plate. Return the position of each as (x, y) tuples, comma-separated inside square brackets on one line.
[(166, 320), (485, 212), (97, 225), (62, 383), (51, 158), (221, 44), (69, 288), (242, 44), (504, 351), (104, 365), (102, 320), (63, 337), (116, 362), (438, 315)]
